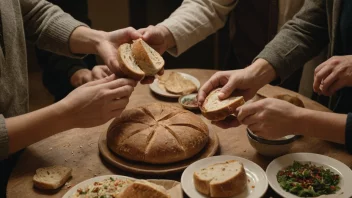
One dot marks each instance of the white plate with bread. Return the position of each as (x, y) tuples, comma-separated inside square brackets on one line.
[(124, 187), (224, 176), (175, 84)]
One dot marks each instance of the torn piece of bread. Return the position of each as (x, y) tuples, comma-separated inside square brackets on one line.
[(215, 109), (177, 84), (143, 189), (51, 178), (127, 62), (221, 180), (147, 58), (139, 60)]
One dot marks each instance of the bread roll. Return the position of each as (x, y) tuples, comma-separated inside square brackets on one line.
[(157, 133)]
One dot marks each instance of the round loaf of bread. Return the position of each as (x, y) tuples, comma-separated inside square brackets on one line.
[(157, 134), (291, 99)]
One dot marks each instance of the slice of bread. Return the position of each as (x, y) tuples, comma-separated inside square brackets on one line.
[(143, 189), (127, 62), (51, 178), (147, 58), (221, 180), (177, 84), (139, 60), (215, 109)]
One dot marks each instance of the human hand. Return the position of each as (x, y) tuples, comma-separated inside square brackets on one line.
[(332, 75), (158, 37), (83, 76), (245, 82), (96, 102), (270, 118)]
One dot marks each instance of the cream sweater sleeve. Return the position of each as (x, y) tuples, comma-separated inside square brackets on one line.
[(194, 20), (48, 26)]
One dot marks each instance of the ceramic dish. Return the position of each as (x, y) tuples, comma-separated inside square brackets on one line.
[(320, 160), (257, 185), (158, 90), (186, 101), (271, 148)]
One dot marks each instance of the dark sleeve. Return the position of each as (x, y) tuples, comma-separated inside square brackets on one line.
[(348, 133), (299, 40)]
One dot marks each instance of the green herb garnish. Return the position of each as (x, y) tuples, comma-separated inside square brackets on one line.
[(307, 180)]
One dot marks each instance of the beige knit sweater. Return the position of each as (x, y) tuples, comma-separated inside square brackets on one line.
[(41, 23)]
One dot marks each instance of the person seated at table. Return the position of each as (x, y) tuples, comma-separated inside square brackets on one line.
[(251, 23), (63, 74), (317, 24), (92, 104)]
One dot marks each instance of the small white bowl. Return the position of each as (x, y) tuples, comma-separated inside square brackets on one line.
[(271, 148), (183, 99)]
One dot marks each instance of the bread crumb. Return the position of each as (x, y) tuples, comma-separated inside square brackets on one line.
[(80, 146), (253, 186), (50, 148)]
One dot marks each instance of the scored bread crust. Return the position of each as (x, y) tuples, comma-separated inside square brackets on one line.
[(230, 187), (41, 180), (221, 113), (142, 58), (143, 189), (125, 67), (157, 133)]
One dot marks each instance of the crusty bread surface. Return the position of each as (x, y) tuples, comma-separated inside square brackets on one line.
[(144, 189), (157, 133), (51, 178), (221, 180), (215, 109)]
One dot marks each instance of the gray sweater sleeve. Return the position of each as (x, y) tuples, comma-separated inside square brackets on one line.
[(48, 26), (299, 40), (4, 140)]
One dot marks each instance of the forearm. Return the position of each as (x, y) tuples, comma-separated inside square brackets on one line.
[(27, 129), (194, 20), (323, 125), (84, 40), (263, 71)]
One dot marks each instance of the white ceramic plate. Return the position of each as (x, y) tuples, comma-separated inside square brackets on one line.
[(257, 186), (91, 181), (156, 89), (336, 166)]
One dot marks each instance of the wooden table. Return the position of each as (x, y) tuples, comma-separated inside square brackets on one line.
[(77, 148)]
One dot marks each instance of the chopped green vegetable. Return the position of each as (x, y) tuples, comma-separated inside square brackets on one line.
[(112, 179), (307, 180)]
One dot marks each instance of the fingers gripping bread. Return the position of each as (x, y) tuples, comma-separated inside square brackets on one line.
[(215, 109), (139, 60), (221, 180)]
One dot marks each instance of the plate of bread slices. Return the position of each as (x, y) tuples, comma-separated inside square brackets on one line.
[(224, 176), (117, 186), (175, 84)]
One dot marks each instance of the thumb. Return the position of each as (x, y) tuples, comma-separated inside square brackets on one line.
[(227, 90)]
